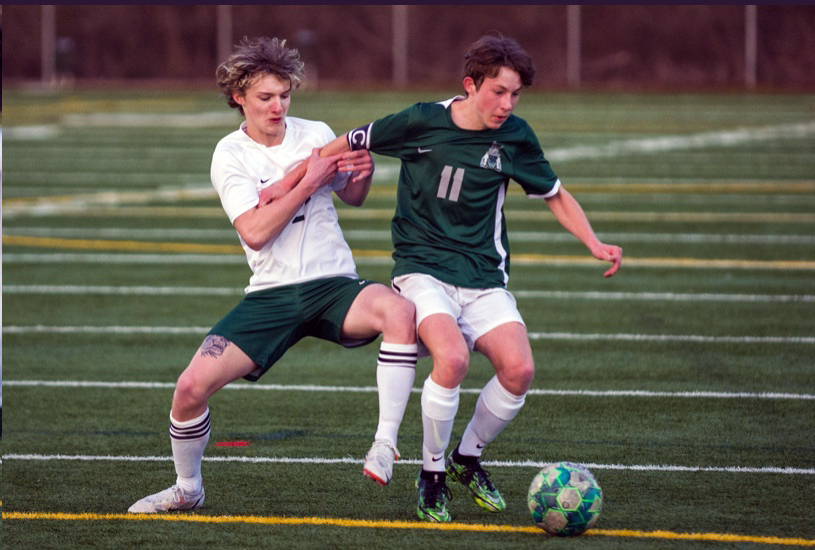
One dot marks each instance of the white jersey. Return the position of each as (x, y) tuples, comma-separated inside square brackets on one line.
[(311, 246)]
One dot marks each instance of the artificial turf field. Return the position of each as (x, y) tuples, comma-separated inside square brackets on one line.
[(686, 382)]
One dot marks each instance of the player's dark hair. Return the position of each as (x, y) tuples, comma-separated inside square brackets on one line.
[(254, 58), (485, 57)]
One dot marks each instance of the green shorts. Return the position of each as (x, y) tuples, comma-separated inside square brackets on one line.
[(266, 323)]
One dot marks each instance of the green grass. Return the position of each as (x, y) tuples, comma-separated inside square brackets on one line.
[(701, 203)]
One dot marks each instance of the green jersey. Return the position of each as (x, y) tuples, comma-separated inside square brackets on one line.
[(449, 220)]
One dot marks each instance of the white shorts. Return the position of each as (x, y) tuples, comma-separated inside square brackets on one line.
[(476, 310)]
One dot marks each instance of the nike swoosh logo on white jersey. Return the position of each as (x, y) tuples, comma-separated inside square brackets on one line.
[(424, 150)]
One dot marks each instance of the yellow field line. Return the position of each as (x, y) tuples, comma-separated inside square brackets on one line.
[(533, 259), (522, 259), (384, 524), (130, 246)]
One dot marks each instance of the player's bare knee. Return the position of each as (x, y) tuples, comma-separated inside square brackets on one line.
[(188, 395), (517, 377), (453, 360), (400, 319)]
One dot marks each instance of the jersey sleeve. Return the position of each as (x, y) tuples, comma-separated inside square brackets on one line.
[(235, 187), (385, 136), (533, 172)]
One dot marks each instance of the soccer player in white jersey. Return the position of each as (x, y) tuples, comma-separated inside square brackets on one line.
[(304, 281), (451, 253)]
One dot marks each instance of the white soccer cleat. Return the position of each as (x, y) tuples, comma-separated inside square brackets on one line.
[(378, 463), (174, 498)]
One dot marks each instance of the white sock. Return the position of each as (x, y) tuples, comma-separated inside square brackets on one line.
[(395, 372), (495, 408), (189, 439), (439, 407)]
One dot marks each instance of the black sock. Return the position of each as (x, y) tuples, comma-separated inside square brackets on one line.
[(437, 477), (464, 460)]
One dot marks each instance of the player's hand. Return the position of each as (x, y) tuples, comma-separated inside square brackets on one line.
[(271, 193), (359, 163), (320, 171), (609, 253)]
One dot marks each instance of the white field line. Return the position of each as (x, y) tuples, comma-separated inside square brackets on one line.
[(151, 120), (689, 338), (414, 462), (664, 296), (673, 338), (525, 294), (123, 120), (372, 389), (385, 235), (123, 290), (727, 138)]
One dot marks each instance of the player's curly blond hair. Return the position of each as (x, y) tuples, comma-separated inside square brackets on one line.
[(254, 58)]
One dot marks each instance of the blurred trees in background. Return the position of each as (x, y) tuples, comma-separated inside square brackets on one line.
[(621, 47)]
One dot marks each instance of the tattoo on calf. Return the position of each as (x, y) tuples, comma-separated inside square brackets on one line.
[(214, 346)]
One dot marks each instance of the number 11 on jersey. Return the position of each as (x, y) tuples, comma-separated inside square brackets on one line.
[(446, 175)]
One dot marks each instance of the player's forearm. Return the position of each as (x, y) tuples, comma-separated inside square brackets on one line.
[(290, 180), (335, 147), (571, 216), (262, 224), (357, 191)]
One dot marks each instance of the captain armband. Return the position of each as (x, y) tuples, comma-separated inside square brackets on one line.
[(360, 138)]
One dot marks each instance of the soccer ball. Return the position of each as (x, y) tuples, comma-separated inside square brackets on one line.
[(565, 499)]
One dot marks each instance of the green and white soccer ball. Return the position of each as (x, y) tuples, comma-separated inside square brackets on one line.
[(565, 499)]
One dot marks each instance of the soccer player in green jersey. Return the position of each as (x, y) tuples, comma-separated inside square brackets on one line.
[(451, 253)]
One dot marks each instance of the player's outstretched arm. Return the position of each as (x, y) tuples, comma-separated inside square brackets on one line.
[(571, 216)]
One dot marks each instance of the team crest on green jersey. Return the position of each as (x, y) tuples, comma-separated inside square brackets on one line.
[(492, 158)]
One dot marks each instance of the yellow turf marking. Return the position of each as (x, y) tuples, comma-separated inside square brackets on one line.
[(132, 246), (338, 522), (668, 262), (139, 246)]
